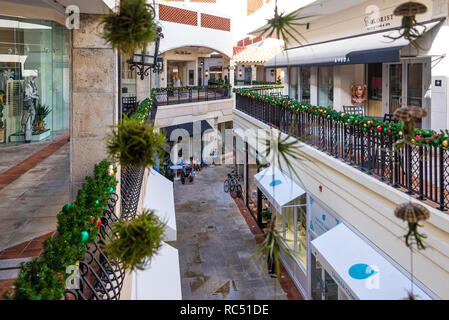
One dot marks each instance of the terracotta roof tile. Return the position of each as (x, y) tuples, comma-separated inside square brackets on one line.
[(254, 55)]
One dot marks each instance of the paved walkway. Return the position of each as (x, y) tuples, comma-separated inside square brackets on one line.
[(29, 204), (215, 244)]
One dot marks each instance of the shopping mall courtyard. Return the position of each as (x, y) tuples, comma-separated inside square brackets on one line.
[(216, 244)]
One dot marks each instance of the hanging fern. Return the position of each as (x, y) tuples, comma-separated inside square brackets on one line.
[(135, 242), (131, 28), (135, 143)]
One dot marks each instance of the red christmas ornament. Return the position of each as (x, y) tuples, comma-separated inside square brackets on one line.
[(91, 220), (436, 136), (389, 131), (418, 137), (427, 141), (379, 129), (99, 223)]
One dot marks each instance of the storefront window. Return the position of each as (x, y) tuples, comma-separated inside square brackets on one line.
[(34, 79), (293, 81), (293, 228), (252, 187), (326, 86), (305, 84), (375, 89)]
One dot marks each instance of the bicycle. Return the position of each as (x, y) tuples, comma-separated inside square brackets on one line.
[(230, 181)]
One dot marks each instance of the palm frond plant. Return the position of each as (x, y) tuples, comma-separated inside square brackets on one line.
[(134, 143), (269, 250), (135, 242), (42, 112), (131, 28), (284, 26)]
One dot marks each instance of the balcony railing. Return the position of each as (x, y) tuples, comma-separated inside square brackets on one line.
[(173, 95), (421, 170), (101, 278)]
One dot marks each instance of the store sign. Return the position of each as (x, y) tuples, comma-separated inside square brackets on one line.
[(321, 221), (375, 21)]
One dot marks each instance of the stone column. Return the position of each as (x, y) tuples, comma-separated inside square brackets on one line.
[(94, 99)]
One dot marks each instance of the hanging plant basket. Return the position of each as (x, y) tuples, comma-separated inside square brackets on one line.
[(135, 143), (410, 9), (413, 213), (131, 27)]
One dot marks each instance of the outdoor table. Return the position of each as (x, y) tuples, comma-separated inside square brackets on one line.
[(176, 168)]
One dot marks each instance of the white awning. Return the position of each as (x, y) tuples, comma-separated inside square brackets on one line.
[(161, 280), (368, 48), (279, 189), (159, 197), (359, 270)]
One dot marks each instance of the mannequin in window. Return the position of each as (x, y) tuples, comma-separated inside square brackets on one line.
[(29, 107)]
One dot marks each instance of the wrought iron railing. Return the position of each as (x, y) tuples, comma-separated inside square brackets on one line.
[(131, 184), (100, 278), (418, 170), (194, 94)]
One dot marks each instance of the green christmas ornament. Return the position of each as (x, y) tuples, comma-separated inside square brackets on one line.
[(67, 207), (97, 203), (111, 190), (84, 236)]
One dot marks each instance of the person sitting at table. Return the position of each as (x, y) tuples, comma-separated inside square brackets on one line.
[(190, 166), (196, 163)]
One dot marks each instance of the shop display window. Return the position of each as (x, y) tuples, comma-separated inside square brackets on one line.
[(305, 84), (293, 228), (326, 86), (34, 79)]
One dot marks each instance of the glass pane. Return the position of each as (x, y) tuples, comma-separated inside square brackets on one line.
[(375, 90), (316, 274), (305, 84), (293, 80), (395, 87), (34, 79), (414, 84), (325, 86), (331, 287)]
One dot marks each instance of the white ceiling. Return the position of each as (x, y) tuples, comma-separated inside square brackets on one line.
[(86, 6)]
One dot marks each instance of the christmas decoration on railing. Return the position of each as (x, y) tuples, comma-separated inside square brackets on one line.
[(43, 278), (144, 110), (422, 137)]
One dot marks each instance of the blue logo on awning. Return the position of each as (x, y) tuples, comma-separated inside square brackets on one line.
[(275, 183), (361, 271)]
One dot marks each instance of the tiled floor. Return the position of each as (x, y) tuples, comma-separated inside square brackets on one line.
[(29, 204), (216, 245)]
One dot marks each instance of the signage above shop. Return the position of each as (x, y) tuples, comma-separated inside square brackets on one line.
[(372, 23)]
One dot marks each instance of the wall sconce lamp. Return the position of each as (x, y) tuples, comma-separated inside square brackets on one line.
[(240, 73), (206, 74), (273, 72)]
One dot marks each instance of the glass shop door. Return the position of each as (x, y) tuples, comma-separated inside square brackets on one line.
[(323, 286)]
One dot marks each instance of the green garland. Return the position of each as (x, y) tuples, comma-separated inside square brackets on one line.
[(43, 278), (423, 137), (144, 110)]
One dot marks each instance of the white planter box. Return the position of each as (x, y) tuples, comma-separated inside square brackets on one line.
[(34, 137)]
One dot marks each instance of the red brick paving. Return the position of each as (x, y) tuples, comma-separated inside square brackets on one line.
[(286, 282), (15, 172), (27, 249)]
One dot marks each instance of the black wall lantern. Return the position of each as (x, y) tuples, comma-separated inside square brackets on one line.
[(144, 62)]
